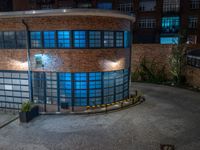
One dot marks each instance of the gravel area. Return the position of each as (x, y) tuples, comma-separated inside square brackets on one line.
[(168, 116)]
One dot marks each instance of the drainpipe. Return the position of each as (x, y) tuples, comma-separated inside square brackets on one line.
[(130, 57), (28, 60)]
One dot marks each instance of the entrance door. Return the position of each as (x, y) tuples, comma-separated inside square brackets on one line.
[(45, 91)]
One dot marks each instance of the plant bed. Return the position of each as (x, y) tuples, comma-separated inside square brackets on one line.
[(28, 112)]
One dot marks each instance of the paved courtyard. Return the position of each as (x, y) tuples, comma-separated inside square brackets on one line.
[(168, 116)]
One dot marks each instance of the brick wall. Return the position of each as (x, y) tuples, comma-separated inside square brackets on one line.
[(67, 60), (160, 54), (152, 52), (66, 23), (193, 76)]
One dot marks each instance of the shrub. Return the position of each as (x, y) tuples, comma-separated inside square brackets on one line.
[(150, 72), (26, 106)]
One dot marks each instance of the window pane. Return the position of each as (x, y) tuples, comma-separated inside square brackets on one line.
[(119, 39), (104, 5), (108, 39), (35, 38), (94, 39), (79, 39), (170, 24), (169, 40), (64, 39), (9, 40), (21, 39), (1, 40), (49, 39)]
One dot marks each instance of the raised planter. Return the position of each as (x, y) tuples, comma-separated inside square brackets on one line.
[(29, 115)]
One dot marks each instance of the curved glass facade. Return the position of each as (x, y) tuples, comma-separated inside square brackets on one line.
[(80, 89), (88, 89)]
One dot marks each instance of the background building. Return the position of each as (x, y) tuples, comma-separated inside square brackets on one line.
[(157, 21)]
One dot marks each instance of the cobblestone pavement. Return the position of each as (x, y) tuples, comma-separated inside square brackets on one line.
[(168, 116)]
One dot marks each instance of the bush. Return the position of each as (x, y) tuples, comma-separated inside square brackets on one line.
[(150, 72), (26, 106)]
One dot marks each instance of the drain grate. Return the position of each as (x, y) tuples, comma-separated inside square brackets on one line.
[(167, 147)]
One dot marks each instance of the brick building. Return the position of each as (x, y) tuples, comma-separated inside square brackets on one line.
[(55, 57), (157, 21)]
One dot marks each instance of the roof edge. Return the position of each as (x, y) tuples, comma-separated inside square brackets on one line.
[(66, 12)]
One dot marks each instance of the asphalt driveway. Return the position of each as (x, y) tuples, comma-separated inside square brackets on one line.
[(168, 116)]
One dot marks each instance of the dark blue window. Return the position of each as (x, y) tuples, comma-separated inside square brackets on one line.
[(49, 39), (36, 41), (79, 39), (21, 39), (94, 39), (1, 40), (108, 39), (119, 39), (9, 39), (64, 39), (104, 5)]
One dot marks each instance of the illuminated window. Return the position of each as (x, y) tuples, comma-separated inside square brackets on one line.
[(170, 24), (36, 41), (169, 40), (108, 39), (94, 39), (80, 86), (49, 39), (64, 39), (79, 39), (104, 5), (126, 39)]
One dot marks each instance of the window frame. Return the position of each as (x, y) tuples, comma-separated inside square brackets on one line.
[(40, 40), (70, 39), (50, 39), (101, 37), (113, 46)]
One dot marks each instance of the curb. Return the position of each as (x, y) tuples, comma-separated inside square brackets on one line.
[(8, 122), (96, 112)]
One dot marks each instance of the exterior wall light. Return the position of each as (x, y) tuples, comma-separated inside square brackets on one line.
[(39, 61)]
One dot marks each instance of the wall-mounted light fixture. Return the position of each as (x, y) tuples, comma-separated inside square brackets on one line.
[(39, 60)]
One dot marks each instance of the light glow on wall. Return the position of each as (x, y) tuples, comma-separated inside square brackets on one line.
[(112, 65), (20, 65)]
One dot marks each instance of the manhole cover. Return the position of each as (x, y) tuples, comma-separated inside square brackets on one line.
[(167, 147)]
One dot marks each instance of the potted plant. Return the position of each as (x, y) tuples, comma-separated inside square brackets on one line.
[(28, 111)]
